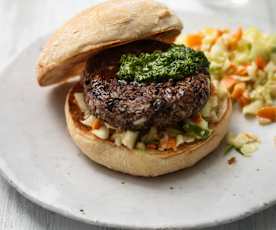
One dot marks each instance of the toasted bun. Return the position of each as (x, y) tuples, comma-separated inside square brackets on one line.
[(105, 25), (148, 163)]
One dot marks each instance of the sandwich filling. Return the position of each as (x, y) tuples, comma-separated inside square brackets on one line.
[(149, 95), (115, 94)]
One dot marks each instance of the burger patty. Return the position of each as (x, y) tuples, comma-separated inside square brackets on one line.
[(137, 106)]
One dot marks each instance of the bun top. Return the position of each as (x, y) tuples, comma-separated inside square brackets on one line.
[(111, 23)]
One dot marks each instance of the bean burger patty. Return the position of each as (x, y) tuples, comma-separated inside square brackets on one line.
[(137, 106)]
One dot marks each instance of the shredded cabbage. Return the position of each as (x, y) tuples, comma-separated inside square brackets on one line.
[(242, 55)]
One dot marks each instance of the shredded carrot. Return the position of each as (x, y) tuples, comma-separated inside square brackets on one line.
[(151, 146), (233, 43), (196, 118), (244, 99), (194, 40), (168, 142), (238, 70), (172, 143), (228, 81), (260, 62), (242, 70), (163, 141), (96, 124), (219, 33), (238, 34), (232, 69), (238, 90), (267, 112)]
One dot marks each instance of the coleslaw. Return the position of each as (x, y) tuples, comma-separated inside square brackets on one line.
[(244, 61)]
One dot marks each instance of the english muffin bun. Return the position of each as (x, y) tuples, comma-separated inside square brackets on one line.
[(111, 23), (147, 163)]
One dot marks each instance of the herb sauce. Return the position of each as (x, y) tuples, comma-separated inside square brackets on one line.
[(175, 63)]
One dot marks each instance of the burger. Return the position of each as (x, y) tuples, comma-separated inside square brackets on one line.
[(142, 105)]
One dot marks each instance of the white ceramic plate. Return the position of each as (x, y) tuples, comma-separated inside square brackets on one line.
[(39, 159)]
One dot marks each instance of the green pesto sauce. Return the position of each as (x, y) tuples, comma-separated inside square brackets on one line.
[(175, 63)]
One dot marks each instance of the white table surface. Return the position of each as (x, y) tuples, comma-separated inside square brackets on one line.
[(22, 21)]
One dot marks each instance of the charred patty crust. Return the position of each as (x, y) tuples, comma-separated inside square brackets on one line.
[(136, 106)]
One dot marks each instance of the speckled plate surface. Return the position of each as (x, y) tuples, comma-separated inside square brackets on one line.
[(39, 159)]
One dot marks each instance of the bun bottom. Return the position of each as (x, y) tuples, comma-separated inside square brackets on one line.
[(148, 163)]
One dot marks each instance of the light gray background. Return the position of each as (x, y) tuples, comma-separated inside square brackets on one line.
[(22, 21)]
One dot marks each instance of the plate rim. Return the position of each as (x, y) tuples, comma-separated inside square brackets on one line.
[(73, 216)]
